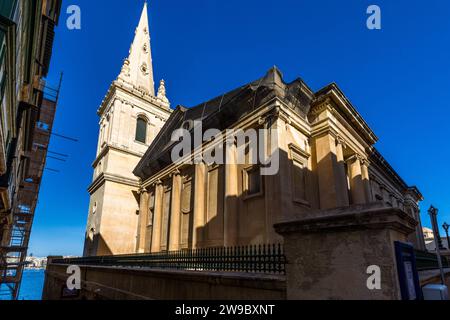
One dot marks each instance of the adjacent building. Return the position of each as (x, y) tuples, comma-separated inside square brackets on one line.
[(26, 116), (142, 201)]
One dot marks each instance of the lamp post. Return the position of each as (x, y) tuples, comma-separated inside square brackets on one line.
[(446, 226), (434, 223), (437, 239)]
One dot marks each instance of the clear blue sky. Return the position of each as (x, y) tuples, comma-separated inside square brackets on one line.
[(398, 79)]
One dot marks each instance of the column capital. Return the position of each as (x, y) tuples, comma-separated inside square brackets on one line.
[(357, 157), (156, 183), (175, 173), (142, 191), (199, 162), (340, 141), (231, 140)]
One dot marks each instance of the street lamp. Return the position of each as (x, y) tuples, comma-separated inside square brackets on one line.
[(434, 223), (446, 226), (437, 240)]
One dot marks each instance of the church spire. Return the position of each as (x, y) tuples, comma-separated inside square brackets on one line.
[(137, 69)]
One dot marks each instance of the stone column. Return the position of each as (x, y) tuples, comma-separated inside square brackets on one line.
[(142, 222), (149, 223), (157, 218), (420, 242), (412, 209), (342, 174), (230, 224), (366, 180), (356, 180), (175, 218), (199, 204), (330, 252), (329, 174)]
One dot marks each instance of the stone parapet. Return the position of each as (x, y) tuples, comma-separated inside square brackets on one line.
[(113, 283), (329, 252)]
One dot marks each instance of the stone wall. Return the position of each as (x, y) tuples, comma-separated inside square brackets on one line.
[(329, 252), (141, 284)]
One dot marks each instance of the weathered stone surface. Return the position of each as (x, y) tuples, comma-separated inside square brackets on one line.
[(329, 252), (141, 284)]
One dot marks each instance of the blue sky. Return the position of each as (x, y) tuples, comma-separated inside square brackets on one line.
[(398, 78)]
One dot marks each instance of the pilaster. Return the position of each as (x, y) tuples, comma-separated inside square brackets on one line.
[(329, 173), (157, 218), (231, 195), (199, 204), (356, 180), (142, 222), (175, 218)]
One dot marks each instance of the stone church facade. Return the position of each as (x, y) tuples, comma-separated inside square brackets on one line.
[(143, 202)]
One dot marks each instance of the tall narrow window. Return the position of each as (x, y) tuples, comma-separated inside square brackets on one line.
[(299, 173), (253, 181), (141, 130)]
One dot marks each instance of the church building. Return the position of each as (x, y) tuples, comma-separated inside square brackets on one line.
[(142, 201)]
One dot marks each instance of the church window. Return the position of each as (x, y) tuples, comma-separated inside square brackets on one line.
[(141, 130), (253, 181), (299, 174)]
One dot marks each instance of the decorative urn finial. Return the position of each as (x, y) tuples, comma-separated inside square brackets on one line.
[(162, 91)]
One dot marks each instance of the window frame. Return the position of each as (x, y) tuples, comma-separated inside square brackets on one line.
[(245, 182), (301, 157), (145, 120)]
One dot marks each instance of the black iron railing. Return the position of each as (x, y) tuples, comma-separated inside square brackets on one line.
[(428, 261), (268, 259)]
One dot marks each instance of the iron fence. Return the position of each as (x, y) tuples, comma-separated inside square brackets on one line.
[(428, 261), (269, 259)]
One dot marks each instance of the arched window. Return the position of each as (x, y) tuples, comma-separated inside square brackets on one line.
[(141, 130)]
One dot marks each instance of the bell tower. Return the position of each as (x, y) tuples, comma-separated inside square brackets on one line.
[(131, 116)]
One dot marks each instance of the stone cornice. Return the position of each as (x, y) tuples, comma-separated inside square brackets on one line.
[(372, 216), (303, 153), (117, 86), (329, 126), (103, 177), (333, 98), (109, 147)]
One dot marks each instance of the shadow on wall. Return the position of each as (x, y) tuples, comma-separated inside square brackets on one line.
[(248, 217), (92, 241)]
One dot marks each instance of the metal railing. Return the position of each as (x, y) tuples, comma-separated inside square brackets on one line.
[(268, 259), (428, 261)]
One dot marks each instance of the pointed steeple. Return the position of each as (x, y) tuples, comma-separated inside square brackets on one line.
[(137, 69)]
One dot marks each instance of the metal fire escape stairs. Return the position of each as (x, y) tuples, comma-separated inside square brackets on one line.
[(13, 257)]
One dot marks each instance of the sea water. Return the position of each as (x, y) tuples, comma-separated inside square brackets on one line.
[(32, 284)]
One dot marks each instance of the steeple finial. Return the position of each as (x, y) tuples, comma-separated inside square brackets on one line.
[(137, 69), (162, 92)]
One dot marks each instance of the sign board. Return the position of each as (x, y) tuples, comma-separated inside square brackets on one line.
[(407, 271), (67, 294)]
